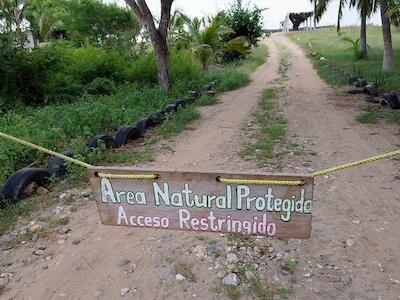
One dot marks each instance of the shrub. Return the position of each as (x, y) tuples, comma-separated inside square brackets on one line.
[(100, 86)]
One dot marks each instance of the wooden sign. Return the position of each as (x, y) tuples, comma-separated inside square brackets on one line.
[(192, 201)]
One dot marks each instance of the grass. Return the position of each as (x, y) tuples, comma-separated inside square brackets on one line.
[(372, 115), (325, 42), (61, 127), (289, 265), (185, 270), (271, 133)]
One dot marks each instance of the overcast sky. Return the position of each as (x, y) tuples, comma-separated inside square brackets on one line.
[(276, 12)]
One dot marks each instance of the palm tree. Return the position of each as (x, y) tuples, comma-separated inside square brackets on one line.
[(365, 7), (388, 60)]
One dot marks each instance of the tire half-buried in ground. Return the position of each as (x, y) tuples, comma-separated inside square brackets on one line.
[(126, 133), (58, 166), (17, 183), (106, 139)]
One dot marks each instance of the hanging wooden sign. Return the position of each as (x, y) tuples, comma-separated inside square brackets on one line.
[(235, 203)]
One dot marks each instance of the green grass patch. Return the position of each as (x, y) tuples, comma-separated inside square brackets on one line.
[(373, 115), (271, 133), (325, 42), (177, 122)]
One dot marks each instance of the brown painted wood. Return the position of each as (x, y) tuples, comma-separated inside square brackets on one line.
[(132, 213)]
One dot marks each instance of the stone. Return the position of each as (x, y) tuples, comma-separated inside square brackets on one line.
[(180, 277), (211, 248), (38, 252), (221, 274), (232, 258), (123, 263), (42, 190), (278, 256), (3, 282), (76, 242), (124, 291), (35, 228), (284, 272), (48, 257), (350, 243), (63, 230), (231, 280), (35, 238), (98, 293), (308, 275), (61, 242), (356, 222), (275, 278), (162, 272), (200, 251), (5, 264)]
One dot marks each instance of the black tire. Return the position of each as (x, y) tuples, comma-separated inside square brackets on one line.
[(392, 100), (207, 87), (18, 182), (182, 102), (141, 125), (126, 133), (157, 117), (371, 89), (352, 79), (106, 139), (355, 91), (194, 94), (360, 83), (170, 108), (57, 166), (371, 99)]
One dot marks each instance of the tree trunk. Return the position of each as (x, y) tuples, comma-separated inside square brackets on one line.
[(158, 36), (388, 61), (363, 36), (161, 52)]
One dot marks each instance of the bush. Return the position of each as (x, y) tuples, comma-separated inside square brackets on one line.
[(100, 86)]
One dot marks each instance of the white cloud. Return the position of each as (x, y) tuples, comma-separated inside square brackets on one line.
[(276, 12)]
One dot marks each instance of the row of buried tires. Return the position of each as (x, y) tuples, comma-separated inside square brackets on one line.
[(362, 86), (372, 92), (16, 185)]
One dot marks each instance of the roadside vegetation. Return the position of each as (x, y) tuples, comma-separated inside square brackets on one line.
[(326, 43), (77, 82), (338, 56)]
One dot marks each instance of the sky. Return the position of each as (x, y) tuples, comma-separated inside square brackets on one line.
[(275, 13)]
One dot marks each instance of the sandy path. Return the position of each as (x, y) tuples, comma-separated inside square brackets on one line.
[(369, 194)]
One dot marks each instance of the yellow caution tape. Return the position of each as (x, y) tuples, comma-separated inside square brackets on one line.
[(220, 179)]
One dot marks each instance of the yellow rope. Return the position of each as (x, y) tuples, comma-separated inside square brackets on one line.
[(128, 176), (220, 179), (42, 149), (357, 163), (260, 181)]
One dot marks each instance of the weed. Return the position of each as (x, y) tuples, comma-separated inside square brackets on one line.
[(232, 292), (271, 134), (372, 115), (185, 270), (289, 265)]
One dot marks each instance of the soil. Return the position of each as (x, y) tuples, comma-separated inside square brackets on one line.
[(352, 254)]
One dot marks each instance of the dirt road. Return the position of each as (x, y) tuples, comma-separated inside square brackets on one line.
[(360, 206)]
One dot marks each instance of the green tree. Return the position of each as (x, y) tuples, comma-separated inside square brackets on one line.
[(244, 21), (98, 23), (365, 7)]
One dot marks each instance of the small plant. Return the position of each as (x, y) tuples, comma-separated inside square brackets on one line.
[(289, 265), (355, 46), (379, 79), (185, 270)]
